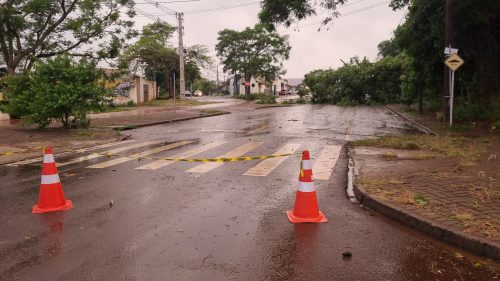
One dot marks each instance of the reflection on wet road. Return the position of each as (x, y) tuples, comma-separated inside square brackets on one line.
[(192, 221)]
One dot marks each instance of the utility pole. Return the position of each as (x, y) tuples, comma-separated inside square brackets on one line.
[(182, 85), (448, 38)]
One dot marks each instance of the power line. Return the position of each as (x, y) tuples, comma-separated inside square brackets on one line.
[(161, 7), (349, 13), (168, 2), (151, 16), (220, 8), (404, 15)]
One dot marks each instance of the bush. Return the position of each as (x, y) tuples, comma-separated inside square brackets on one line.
[(266, 100), (57, 89), (361, 82), (252, 97)]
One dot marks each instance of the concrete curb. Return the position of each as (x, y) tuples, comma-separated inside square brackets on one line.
[(437, 230), (415, 124), (135, 126)]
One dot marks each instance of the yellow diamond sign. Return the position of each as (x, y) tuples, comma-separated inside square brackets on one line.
[(454, 62)]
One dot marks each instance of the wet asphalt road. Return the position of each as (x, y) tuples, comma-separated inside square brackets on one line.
[(168, 224)]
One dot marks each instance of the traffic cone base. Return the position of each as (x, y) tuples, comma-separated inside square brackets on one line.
[(294, 219), (66, 206)]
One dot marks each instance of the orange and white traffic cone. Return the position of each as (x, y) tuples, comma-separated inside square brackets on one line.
[(306, 204), (51, 196)]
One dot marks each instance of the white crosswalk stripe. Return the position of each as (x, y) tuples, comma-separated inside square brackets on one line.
[(267, 166), (238, 152), (112, 151), (139, 155), (323, 166), (162, 163), (39, 159)]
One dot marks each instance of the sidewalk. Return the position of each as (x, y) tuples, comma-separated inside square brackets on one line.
[(447, 186), (22, 142)]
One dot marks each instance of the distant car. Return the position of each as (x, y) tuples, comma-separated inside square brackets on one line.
[(187, 94), (198, 93)]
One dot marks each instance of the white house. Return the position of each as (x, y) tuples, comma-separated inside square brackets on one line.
[(132, 88), (257, 86)]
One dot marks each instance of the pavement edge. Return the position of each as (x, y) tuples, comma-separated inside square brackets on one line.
[(414, 124), (135, 126), (437, 230)]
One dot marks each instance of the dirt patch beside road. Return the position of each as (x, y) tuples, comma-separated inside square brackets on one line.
[(453, 180)]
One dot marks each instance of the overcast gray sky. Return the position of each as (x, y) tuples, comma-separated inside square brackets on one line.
[(363, 24)]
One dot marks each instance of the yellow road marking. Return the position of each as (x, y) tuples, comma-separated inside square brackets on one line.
[(323, 166), (161, 163), (267, 166), (112, 151), (138, 155), (240, 151)]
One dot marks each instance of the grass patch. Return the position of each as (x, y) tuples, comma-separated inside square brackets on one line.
[(178, 102), (463, 217), (266, 100), (420, 199), (208, 112), (392, 190), (445, 146), (92, 134), (116, 108)]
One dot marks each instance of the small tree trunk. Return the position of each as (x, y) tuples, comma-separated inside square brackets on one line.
[(170, 86), (11, 69), (247, 88), (420, 97)]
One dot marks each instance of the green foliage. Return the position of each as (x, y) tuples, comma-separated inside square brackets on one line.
[(302, 91), (252, 97), (58, 89), (274, 12), (206, 86), (476, 36), (154, 53), (33, 29), (253, 52), (266, 99), (359, 82), (301, 101)]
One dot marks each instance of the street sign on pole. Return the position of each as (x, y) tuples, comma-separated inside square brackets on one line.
[(449, 51), (454, 62)]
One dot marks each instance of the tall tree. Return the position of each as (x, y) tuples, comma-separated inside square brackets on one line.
[(253, 52), (31, 29), (476, 35), (154, 53)]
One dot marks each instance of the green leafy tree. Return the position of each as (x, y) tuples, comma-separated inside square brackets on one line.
[(286, 12), (253, 52), (33, 29), (57, 89), (206, 86), (361, 82), (476, 35), (154, 54)]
